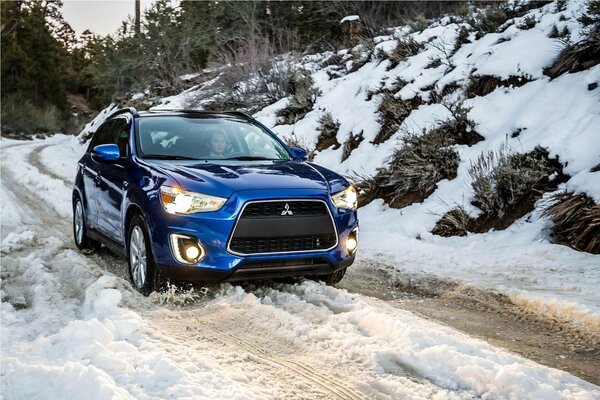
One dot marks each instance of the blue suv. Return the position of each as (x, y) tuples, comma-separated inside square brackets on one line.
[(204, 196)]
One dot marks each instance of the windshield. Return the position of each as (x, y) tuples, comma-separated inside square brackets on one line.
[(202, 138)]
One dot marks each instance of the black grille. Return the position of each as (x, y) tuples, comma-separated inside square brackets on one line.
[(282, 244), (304, 226), (283, 263), (275, 208)]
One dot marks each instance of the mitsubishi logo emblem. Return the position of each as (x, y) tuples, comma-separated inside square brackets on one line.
[(287, 210)]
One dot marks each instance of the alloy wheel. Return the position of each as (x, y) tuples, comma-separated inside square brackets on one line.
[(137, 257)]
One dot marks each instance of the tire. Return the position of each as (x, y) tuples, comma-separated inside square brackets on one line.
[(143, 272), (82, 240), (332, 279)]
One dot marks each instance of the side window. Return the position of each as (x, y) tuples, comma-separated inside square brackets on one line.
[(121, 135), (103, 136)]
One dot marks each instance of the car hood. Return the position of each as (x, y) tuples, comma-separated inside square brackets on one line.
[(226, 178)]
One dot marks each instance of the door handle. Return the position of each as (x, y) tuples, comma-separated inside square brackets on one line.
[(125, 183)]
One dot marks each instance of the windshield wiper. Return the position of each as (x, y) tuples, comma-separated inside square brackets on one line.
[(251, 158), (168, 157)]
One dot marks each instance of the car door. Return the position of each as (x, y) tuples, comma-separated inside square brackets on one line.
[(90, 169), (111, 184)]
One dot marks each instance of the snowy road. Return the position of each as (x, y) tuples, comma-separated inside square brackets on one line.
[(72, 326)]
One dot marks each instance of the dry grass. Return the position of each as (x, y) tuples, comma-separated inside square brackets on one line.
[(501, 180), (350, 145), (576, 221), (454, 223), (577, 56), (405, 47), (419, 165), (392, 111), (482, 85), (328, 128)]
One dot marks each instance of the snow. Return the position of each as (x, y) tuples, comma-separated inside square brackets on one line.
[(91, 126), (350, 18)]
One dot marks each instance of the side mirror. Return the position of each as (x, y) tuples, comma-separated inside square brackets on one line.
[(298, 153), (106, 152)]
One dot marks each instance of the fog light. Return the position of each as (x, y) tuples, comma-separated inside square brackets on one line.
[(192, 252), (352, 241), (186, 249)]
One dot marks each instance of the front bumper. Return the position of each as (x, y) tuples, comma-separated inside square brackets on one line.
[(213, 230)]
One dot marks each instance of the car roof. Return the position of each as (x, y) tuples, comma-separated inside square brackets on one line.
[(175, 112)]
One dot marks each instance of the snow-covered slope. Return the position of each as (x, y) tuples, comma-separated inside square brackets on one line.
[(561, 114)]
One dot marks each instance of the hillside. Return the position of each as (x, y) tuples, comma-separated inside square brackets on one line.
[(497, 88)]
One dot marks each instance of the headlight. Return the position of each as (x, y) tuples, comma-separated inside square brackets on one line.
[(179, 201), (347, 198)]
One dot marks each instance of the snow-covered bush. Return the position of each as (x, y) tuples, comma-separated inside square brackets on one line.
[(392, 111), (459, 128), (576, 221), (304, 94), (501, 179), (489, 19), (405, 47), (454, 223)]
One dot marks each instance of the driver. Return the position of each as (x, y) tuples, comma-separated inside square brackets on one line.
[(217, 145)]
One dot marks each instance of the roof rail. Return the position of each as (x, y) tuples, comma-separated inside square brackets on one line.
[(123, 110), (239, 114)]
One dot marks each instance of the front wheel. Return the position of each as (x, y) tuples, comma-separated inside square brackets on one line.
[(142, 269)]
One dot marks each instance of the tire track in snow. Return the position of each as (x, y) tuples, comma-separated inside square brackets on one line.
[(185, 330), (34, 159), (325, 381)]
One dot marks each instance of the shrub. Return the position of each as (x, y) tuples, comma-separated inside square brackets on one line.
[(392, 112), (23, 117), (434, 63), (328, 128), (462, 38), (418, 23), (482, 85), (577, 56), (501, 180), (304, 95), (351, 144), (527, 23), (405, 47), (555, 33), (416, 167), (489, 19), (576, 221), (459, 129), (454, 223)]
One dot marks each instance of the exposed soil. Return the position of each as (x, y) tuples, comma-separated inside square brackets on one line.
[(487, 315)]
